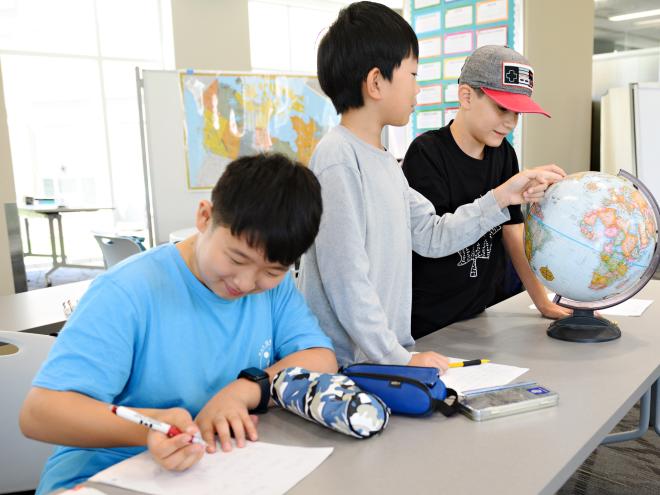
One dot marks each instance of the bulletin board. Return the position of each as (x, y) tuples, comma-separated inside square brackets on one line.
[(448, 31)]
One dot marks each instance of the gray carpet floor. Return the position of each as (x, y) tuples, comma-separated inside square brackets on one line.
[(625, 468), (36, 279)]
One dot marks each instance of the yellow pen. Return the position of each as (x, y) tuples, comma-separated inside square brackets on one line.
[(474, 362)]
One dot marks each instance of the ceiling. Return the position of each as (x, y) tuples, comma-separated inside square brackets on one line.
[(634, 34)]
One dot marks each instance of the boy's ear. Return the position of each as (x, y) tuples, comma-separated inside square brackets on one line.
[(373, 84), (465, 96), (204, 215)]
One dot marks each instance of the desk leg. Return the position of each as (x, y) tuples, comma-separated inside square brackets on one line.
[(59, 228), (53, 248), (644, 417), (655, 390), (27, 235)]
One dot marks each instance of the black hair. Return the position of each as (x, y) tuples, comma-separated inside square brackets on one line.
[(274, 203), (365, 35)]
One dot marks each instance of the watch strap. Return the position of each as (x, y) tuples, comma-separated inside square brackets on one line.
[(259, 377)]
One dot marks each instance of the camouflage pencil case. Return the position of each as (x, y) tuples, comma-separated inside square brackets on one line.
[(331, 400)]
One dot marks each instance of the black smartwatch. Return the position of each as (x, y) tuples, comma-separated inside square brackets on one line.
[(260, 377)]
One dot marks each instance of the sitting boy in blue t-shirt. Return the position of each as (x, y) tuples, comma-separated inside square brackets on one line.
[(167, 332)]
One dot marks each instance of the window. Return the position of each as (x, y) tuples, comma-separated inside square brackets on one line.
[(284, 34), (69, 81)]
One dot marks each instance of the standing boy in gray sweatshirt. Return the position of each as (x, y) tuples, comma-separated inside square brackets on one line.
[(357, 277)]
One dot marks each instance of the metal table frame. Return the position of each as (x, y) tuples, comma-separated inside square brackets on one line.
[(54, 215)]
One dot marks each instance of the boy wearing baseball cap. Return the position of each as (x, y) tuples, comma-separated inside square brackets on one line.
[(455, 165)]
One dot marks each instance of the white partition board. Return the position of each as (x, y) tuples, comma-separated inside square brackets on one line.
[(616, 132), (647, 135), (173, 206)]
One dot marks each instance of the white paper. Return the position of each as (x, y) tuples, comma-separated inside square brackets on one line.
[(428, 22), (430, 95), (631, 307), (453, 67), (430, 47), (429, 120), (458, 17), (451, 92), (450, 113), (420, 4), (259, 467), (494, 36), (495, 10), (428, 72), (458, 43), (81, 490), (480, 376)]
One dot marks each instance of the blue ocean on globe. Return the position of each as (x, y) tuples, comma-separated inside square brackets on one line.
[(591, 237)]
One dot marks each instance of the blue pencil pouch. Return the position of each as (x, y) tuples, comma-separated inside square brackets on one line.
[(407, 390)]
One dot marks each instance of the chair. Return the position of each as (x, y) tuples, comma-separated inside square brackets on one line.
[(118, 247), (22, 458)]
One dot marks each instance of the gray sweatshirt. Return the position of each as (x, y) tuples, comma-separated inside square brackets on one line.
[(357, 276)]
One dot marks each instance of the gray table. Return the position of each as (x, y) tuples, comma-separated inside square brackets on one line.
[(54, 215), (529, 453), (39, 311), (535, 452)]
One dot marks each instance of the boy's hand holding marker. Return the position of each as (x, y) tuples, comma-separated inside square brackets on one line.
[(173, 439), (178, 452)]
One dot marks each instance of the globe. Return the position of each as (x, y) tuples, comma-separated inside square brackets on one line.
[(592, 240)]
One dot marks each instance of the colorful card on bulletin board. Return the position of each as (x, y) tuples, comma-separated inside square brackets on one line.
[(228, 115), (448, 31), (429, 95), (430, 47), (429, 71)]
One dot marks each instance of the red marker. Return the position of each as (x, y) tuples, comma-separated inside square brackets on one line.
[(153, 424)]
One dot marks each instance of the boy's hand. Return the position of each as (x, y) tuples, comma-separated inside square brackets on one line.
[(552, 310), (430, 360), (176, 453), (227, 413), (527, 186)]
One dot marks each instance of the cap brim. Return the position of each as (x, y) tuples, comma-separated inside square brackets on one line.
[(515, 102)]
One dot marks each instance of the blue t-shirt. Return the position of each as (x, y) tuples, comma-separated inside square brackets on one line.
[(149, 334)]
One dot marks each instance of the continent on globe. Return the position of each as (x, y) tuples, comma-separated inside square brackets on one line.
[(546, 273)]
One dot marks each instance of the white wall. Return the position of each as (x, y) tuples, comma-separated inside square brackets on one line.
[(7, 195), (558, 41), (211, 34)]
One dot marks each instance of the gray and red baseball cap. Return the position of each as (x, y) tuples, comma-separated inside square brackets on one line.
[(504, 75)]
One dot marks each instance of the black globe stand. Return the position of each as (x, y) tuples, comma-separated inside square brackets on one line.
[(584, 326)]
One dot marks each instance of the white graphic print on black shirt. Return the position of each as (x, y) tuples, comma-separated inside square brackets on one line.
[(479, 250)]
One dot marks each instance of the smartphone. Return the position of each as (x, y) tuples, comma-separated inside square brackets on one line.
[(511, 399)]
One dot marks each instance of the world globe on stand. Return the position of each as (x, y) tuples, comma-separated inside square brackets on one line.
[(593, 240)]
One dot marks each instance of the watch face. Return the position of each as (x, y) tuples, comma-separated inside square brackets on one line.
[(254, 374)]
